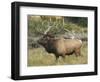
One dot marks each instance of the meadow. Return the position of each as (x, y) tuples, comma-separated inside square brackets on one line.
[(39, 57)]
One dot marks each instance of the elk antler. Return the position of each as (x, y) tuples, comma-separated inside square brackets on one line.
[(72, 33), (49, 27), (47, 30)]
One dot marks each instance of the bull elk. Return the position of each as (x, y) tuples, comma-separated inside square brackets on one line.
[(60, 46)]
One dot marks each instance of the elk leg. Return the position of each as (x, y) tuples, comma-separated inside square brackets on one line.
[(77, 52), (57, 57), (63, 56), (80, 53)]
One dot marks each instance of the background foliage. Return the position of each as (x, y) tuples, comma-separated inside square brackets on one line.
[(75, 26)]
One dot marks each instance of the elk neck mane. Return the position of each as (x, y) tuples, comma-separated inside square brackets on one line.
[(50, 46)]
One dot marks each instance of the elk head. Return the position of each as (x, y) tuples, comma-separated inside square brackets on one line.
[(46, 37)]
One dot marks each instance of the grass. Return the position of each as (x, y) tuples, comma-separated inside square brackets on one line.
[(39, 57)]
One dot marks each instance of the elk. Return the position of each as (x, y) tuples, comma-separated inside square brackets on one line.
[(60, 46)]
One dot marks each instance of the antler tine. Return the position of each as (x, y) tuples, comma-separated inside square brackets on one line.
[(39, 31), (66, 30), (47, 30), (72, 33)]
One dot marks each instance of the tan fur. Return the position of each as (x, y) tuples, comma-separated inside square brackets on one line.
[(65, 46)]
